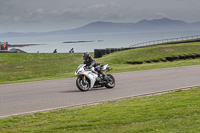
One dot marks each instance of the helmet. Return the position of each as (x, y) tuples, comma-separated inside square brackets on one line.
[(86, 55)]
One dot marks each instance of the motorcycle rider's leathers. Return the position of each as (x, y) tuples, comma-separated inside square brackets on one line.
[(90, 62)]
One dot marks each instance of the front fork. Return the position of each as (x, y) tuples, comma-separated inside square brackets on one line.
[(83, 79)]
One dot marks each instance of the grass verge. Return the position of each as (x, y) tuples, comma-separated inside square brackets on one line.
[(32, 67), (171, 112)]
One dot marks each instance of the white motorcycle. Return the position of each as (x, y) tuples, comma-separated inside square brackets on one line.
[(89, 78)]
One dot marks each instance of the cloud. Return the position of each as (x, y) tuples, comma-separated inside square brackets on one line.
[(62, 10), (161, 15), (29, 11), (74, 13), (104, 10)]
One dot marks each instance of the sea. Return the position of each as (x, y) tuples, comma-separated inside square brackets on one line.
[(88, 42)]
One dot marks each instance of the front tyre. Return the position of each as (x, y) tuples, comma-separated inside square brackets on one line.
[(111, 81), (82, 85)]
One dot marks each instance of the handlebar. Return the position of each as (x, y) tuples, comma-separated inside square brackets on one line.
[(109, 69)]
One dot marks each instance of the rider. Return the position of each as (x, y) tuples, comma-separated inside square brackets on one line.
[(90, 62)]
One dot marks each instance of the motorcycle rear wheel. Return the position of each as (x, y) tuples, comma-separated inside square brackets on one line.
[(111, 83), (81, 85)]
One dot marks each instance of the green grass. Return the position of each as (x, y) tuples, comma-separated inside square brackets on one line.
[(32, 67), (171, 112), (152, 53), (175, 112), (29, 67), (118, 60)]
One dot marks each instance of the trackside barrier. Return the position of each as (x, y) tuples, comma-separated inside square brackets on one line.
[(171, 40), (98, 53)]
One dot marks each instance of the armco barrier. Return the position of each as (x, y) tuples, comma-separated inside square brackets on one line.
[(171, 40)]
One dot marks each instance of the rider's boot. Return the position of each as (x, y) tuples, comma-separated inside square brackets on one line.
[(105, 77)]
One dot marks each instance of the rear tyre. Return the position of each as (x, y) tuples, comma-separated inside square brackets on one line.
[(111, 82), (81, 85)]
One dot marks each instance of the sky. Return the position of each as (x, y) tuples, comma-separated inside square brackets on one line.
[(51, 15)]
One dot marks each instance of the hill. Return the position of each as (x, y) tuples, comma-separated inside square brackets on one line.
[(163, 24)]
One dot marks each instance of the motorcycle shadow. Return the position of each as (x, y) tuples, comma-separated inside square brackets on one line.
[(98, 89), (78, 91)]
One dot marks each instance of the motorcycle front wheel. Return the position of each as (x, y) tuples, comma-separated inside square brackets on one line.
[(82, 85), (111, 82)]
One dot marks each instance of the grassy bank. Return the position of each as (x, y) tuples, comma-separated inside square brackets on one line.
[(31, 67), (152, 53), (172, 112)]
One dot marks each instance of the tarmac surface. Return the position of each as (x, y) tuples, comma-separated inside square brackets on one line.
[(30, 97)]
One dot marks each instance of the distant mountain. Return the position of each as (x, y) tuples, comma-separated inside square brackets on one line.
[(163, 24), (106, 27)]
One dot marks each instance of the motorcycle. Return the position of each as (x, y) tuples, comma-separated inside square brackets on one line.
[(89, 78)]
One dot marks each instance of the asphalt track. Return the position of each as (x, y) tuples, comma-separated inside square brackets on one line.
[(30, 97)]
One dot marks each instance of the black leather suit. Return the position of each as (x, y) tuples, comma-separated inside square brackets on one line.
[(90, 62)]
